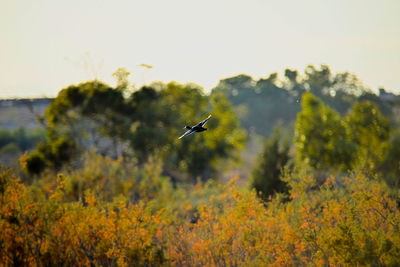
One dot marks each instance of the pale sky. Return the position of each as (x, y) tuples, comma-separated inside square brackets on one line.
[(49, 44)]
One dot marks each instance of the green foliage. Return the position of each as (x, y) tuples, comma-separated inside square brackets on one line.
[(259, 101), (94, 116), (320, 136), (323, 140), (266, 175), (159, 113), (51, 154), (10, 149), (390, 167), (20, 138), (5, 137), (277, 101), (369, 130), (14, 143), (198, 155), (150, 122), (89, 114)]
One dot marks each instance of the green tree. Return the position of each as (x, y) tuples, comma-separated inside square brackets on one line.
[(390, 167), (258, 101), (278, 101), (51, 153), (318, 81), (369, 130), (320, 136), (92, 115), (266, 175), (151, 118), (5, 137), (198, 155), (21, 138), (148, 122)]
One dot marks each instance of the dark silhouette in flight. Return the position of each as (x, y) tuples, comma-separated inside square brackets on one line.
[(197, 128)]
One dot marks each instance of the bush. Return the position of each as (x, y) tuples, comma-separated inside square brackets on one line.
[(345, 221), (265, 177), (35, 163)]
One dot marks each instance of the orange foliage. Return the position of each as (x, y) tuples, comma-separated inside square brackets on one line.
[(349, 221)]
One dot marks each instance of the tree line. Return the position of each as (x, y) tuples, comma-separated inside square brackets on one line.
[(147, 122)]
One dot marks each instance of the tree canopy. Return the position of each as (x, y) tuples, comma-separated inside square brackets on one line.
[(93, 115), (324, 140), (277, 101)]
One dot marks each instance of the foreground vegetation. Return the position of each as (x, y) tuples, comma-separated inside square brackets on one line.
[(112, 213)]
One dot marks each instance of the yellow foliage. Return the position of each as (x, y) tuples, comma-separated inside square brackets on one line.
[(346, 221)]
